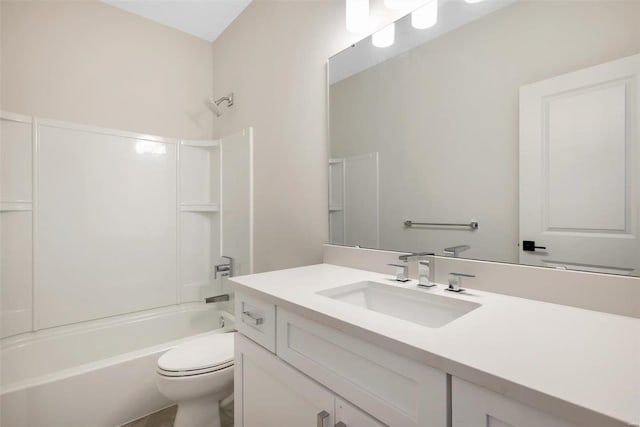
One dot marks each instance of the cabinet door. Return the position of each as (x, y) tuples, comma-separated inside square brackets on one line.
[(475, 406), (350, 416), (396, 390), (268, 392)]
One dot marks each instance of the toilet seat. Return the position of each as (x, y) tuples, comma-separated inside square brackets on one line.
[(199, 356)]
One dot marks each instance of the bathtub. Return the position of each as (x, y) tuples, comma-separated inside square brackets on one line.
[(97, 373)]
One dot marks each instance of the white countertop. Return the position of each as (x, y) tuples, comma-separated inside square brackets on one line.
[(577, 364)]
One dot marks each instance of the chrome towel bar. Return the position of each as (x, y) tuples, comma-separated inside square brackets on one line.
[(472, 225)]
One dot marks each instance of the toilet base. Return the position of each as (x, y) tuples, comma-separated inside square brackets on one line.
[(202, 412)]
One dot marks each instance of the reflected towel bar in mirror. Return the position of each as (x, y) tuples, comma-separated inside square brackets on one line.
[(472, 225)]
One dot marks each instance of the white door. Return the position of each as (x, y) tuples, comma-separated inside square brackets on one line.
[(579, 167), (268, 392), (236, 200)]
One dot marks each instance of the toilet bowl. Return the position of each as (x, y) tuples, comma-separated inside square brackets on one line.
[(197, 375)]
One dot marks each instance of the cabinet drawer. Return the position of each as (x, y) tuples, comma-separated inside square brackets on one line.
[(256, 319), (395, 390)]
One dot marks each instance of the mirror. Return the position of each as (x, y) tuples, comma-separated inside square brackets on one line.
[(510, 127)]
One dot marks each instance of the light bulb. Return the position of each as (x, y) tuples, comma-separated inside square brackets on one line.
[(426, 16), (384, 37), (357, 15)]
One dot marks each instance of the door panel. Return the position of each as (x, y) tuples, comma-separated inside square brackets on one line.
[(579, 192), (351, 416), (268, 392)]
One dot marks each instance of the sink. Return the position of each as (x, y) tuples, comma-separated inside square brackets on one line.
[(413, 305)]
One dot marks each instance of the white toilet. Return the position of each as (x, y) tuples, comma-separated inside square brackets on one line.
[(197, 375)]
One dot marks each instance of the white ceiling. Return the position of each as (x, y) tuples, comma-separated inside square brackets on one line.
[(206, 19)]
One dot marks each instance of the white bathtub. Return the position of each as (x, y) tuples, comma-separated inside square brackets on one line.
[(98, 373)]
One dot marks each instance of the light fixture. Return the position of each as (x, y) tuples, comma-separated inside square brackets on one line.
[(472, 1), (357, 15), (384, 37), (426, 16)]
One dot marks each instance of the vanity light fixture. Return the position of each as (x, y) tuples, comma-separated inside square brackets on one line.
[(384, 37), (357, 13), (426, 16)]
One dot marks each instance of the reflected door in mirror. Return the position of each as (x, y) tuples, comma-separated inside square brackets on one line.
[(579, 169)]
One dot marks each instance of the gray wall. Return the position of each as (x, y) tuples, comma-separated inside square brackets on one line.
[(273, 57), (90, 63)]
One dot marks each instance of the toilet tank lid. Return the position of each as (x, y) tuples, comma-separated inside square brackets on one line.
[(199, 353)]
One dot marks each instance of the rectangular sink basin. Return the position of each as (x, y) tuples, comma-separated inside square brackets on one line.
[(433, 311)]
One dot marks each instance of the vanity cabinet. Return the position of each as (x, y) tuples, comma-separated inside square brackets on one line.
[(320, 327), (475, 406), (272, 393), (392, 388), (314, 363)]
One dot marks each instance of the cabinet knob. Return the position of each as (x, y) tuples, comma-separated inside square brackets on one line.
[(340, 424), (322, 415)]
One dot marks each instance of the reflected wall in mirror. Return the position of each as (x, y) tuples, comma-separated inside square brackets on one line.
[(521, 116)]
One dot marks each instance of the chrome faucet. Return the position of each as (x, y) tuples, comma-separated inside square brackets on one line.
[(455, 281), (217, 298), (455, 250), (414, 255), (424, 275), (225, 268), (402, 272)]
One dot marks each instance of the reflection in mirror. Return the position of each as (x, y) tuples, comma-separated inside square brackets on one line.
[(519, 116)]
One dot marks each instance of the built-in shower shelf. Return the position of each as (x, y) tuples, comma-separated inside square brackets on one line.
[(336, 208), (20, 206), (200, 144), (199, 207)]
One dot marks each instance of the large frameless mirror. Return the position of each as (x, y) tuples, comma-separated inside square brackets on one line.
[(508, 131)]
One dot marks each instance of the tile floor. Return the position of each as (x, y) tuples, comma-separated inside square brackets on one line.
[(165, 418), (162, 418)]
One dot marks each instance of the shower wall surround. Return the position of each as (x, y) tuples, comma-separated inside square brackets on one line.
[(98, 222)]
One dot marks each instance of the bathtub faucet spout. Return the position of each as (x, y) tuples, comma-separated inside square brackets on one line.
[(217, 298)]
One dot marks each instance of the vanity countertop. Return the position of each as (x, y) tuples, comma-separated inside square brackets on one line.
[(577, 364)]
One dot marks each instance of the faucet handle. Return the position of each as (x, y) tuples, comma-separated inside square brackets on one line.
[(402, 272), (416, 255), (455, 281), (225, 268), (455, 250), (424, 275)]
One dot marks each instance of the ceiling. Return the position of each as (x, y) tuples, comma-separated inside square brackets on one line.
[(206, 19)]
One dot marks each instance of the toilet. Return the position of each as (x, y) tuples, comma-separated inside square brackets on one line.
[(197, 375)]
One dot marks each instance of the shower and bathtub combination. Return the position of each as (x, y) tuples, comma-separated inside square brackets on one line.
[(108, 244)]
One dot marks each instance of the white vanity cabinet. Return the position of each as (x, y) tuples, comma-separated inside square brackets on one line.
[(275, 394), (475, 406), (396, 390), (314, 364)]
